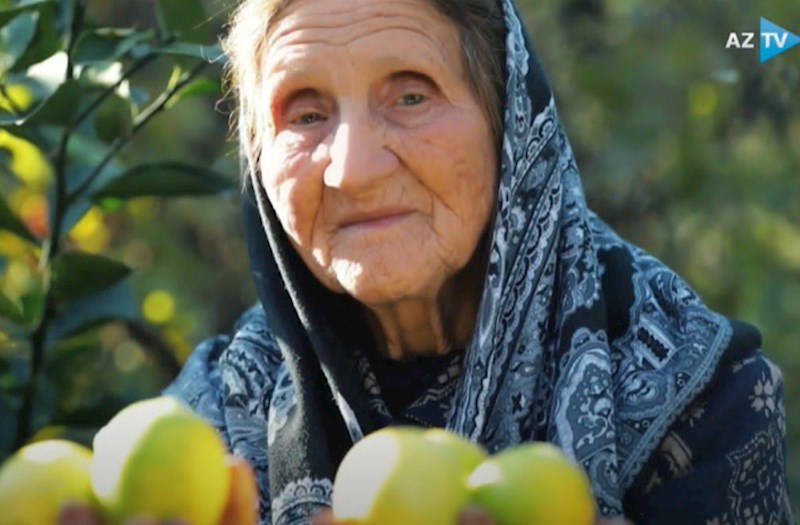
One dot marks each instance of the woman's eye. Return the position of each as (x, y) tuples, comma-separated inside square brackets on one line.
[(307, 119), (411, 99)]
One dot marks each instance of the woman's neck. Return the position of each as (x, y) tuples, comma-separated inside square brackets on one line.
[(432, 325)]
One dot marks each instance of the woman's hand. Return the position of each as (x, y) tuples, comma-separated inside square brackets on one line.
[(241, 509), (469, 516)]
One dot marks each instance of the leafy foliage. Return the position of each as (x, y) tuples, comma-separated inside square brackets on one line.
[(68, 112)]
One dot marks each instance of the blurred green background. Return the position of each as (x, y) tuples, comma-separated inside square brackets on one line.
[(689, 149)]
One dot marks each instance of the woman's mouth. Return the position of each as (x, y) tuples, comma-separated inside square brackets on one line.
[(374, 219)]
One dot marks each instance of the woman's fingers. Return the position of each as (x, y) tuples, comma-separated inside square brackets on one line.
[(141, 520), (78, 514), (469, 516), (474, 516), (242, 506)]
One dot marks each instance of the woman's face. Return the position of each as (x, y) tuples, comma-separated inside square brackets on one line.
[(377, 157)]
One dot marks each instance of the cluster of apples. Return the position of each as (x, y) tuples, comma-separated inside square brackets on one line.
[(157, 458), (404, 475), (145, 462)]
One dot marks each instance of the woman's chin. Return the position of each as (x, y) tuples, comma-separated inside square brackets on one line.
[(388, 287)]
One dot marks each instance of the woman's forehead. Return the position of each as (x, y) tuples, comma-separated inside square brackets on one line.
[(406, 26)]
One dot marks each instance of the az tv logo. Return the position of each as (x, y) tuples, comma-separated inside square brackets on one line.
[(773, 40)]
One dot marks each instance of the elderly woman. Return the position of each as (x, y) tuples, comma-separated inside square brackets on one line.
[(424, 255)]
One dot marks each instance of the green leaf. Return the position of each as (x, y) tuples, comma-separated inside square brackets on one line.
[(107, 45), (84, 154), (104, 75), (168, 179), (185, 20), (32, 305), (108, 206), (57, 98), (89, 311), (210, 53), (60, 107), (66, 15), (113, 119), (10, 310), (199, 87), (15, 37), (45, 41), (76, 274), (26, 160), (10, 222), (6, 15)]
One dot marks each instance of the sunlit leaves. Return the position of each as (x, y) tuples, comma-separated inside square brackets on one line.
[(24, 161), (14, 98), (67, 125), (90, 233), (28, 34), (11, 223), (55, 97)]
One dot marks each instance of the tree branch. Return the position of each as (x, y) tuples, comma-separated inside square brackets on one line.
[(38, 337), (88, 110), (158, 105)]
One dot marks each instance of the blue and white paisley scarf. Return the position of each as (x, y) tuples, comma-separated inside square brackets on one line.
[(582, 339)]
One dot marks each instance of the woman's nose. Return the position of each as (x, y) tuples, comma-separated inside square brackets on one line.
[(359, 157)]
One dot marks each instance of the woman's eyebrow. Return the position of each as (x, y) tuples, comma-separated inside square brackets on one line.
[(291, 72), (403, 63), (288, 62)]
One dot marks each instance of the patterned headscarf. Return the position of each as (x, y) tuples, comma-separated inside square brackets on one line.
[(581, 338)]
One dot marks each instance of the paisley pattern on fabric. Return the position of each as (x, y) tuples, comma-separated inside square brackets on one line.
[(723, 463), (581, 339), (544, 240), (283, 400), (300, 498)]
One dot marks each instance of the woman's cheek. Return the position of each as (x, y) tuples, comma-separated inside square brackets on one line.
[(293, 184), (453, 159)]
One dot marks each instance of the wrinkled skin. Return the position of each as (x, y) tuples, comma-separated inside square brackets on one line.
[(380, 162)]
